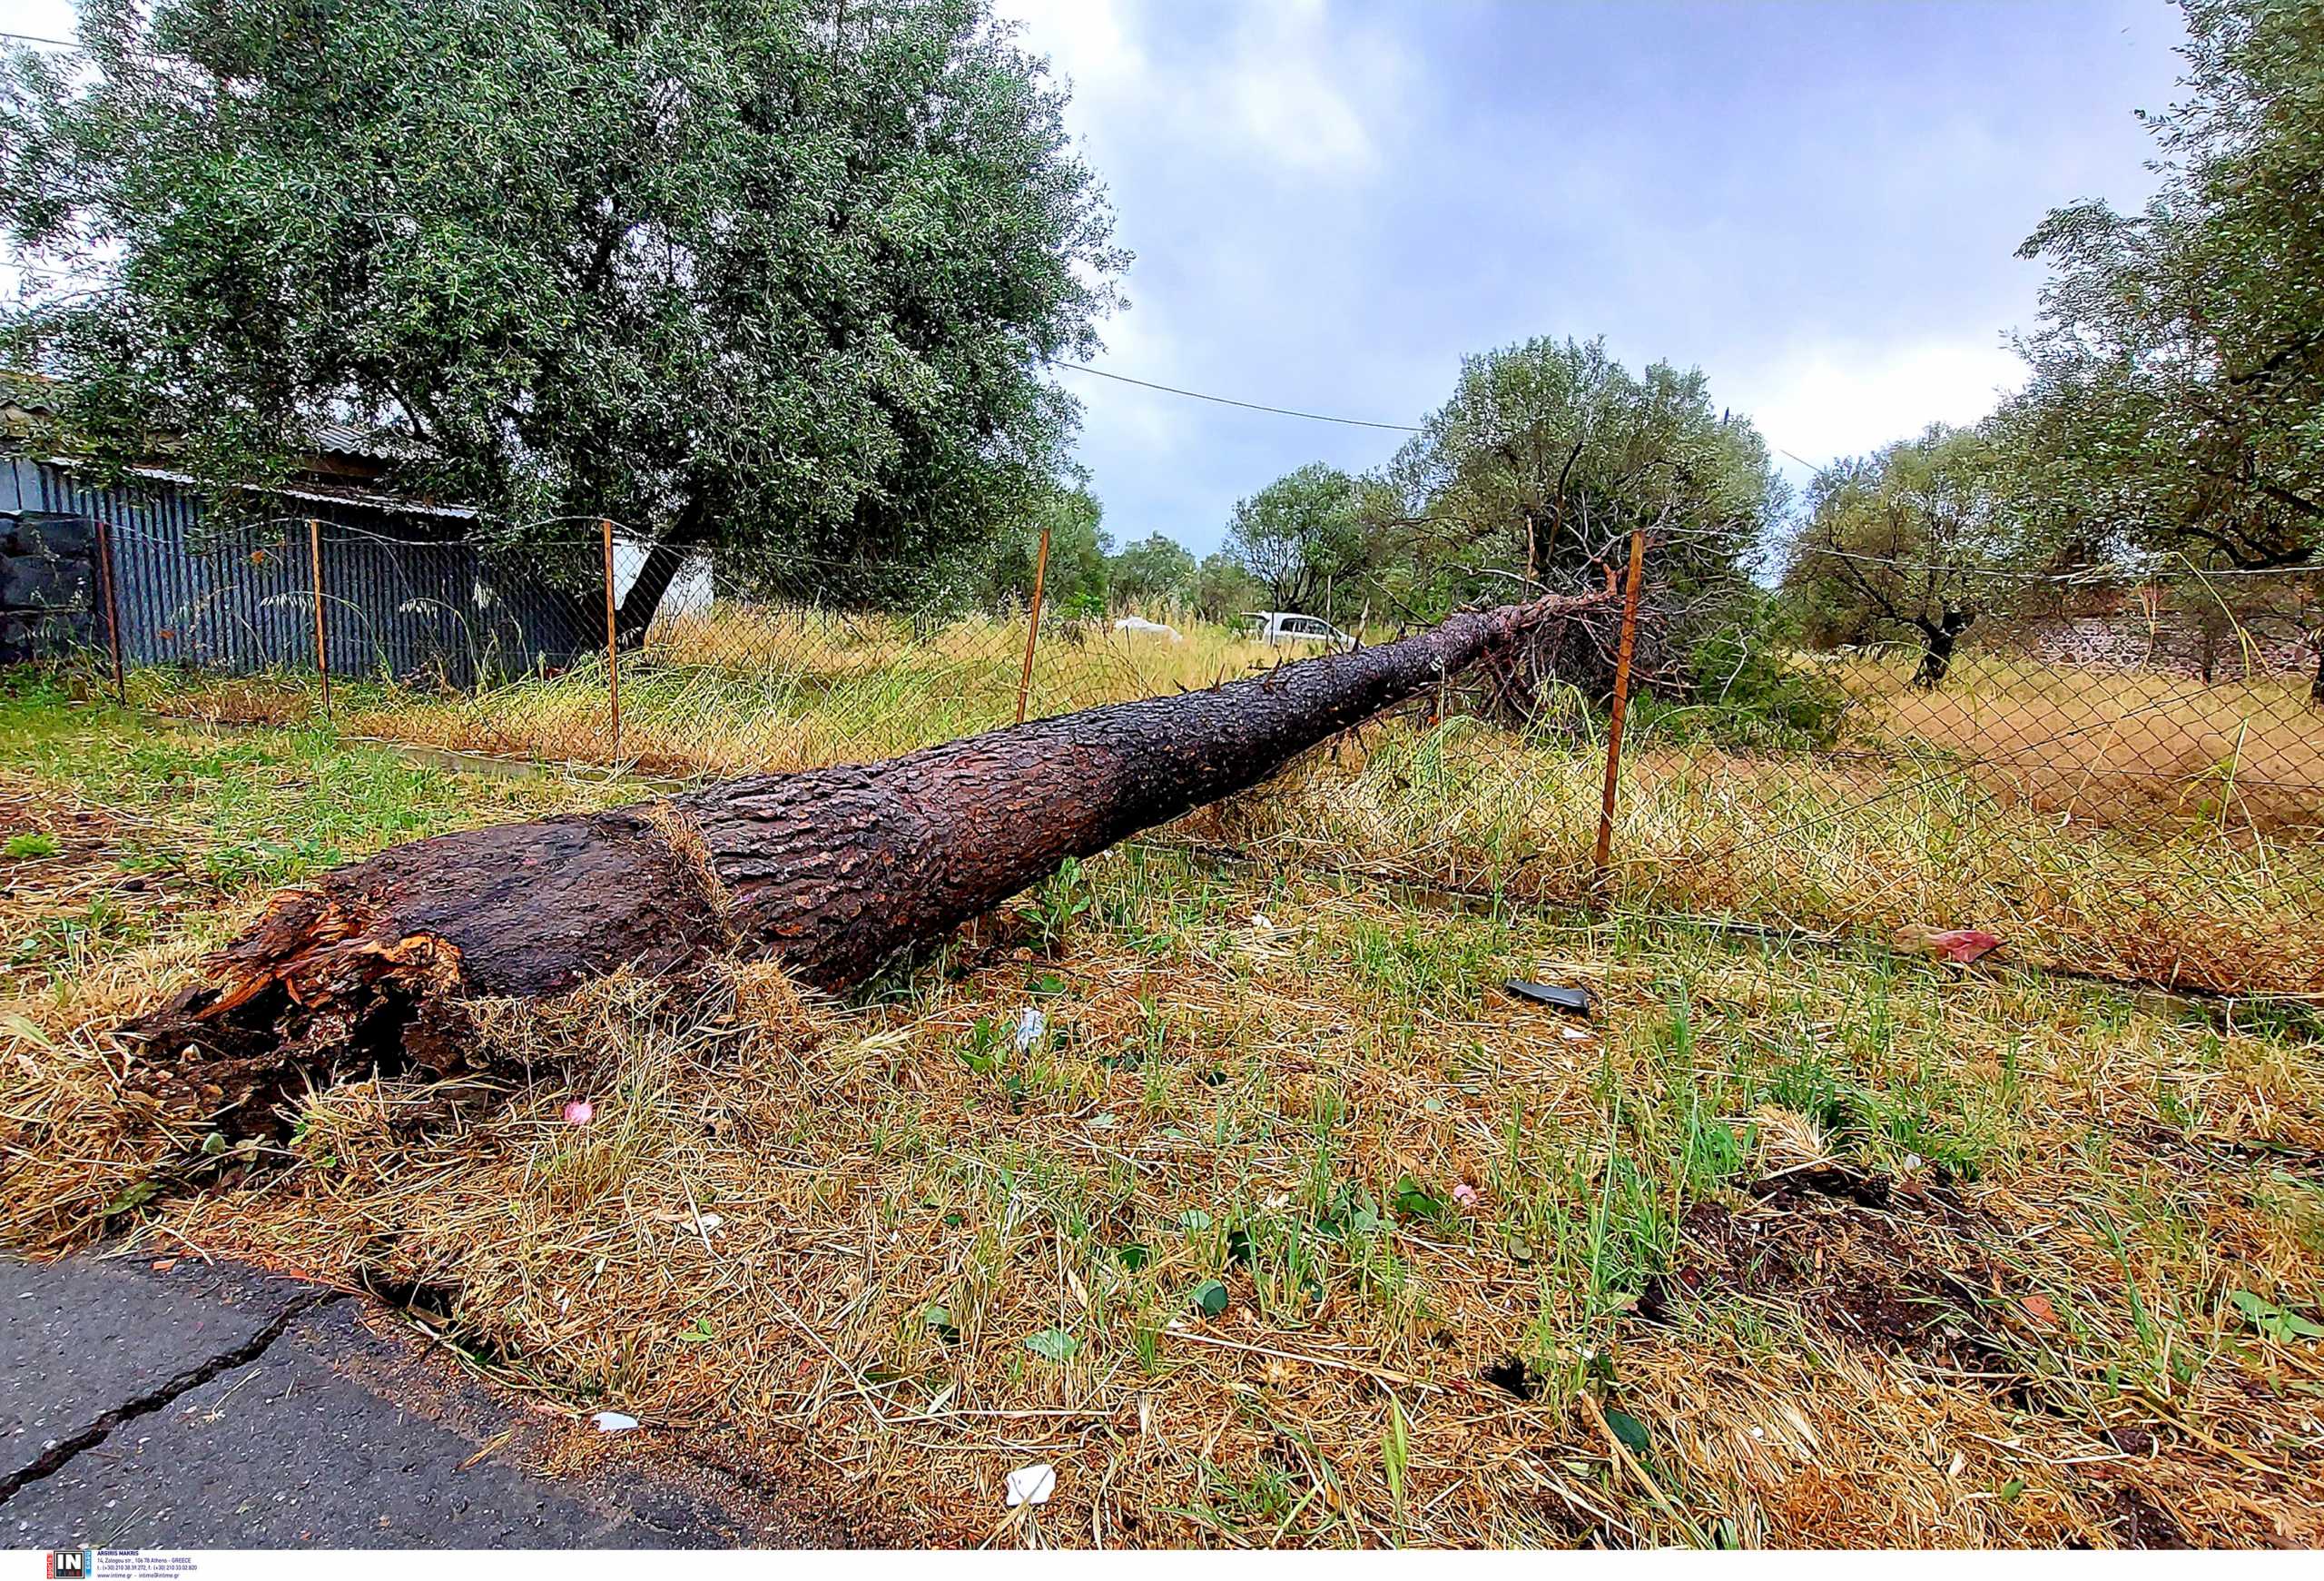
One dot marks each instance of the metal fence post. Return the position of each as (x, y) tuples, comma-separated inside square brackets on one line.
[(1033, 626), (1621, 706), (322, 646), (613, 634), (113, 610)]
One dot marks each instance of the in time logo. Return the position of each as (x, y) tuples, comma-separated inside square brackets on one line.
[(72, 1565)]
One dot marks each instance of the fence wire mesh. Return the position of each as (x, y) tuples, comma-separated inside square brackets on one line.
[(2124, 773), (2119, 773)]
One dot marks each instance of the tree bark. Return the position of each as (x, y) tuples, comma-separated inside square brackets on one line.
[(830, 872), (1938, 640), (643, 601)]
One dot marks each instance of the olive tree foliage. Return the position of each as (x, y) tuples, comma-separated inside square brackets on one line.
[(773, 277), (1300, 534), (1080, 550), (2176, 397), (1001, 571), (1223, 590), (1546, 457), (1920, 539), (1156, 569)]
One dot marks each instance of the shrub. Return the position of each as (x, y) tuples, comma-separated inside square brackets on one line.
[(1743, 686)]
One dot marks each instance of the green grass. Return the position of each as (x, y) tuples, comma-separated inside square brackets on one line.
[(1399, 1180), (278, 802), (219, 817)]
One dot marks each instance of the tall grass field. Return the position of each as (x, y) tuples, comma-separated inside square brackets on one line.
[(2133, 824)]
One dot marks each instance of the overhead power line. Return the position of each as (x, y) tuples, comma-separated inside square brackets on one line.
[(1353, 422), (36, 38)]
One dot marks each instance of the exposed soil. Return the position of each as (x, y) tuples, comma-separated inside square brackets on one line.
[(1909, 1281), (2139, 1522), (1822, 1238), (1897, 1266)]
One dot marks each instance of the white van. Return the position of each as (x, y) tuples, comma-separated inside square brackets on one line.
[(1279, 628)]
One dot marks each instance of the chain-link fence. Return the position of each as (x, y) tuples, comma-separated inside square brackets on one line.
[(2118, 774), (2124, 771), (524, 652)]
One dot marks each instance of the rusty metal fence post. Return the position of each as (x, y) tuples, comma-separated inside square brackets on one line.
[(1033, 626), (1598, 861), (113, 610), (613, 634), (322, 646)]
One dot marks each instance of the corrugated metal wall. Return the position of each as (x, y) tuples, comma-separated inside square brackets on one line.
[(240, 598)]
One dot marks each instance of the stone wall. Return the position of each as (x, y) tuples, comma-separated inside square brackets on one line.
[(2175, 645), (48, 584)]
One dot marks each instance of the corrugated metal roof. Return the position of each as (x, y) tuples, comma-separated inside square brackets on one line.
[(399, 504), (340, 438), (32, 393)]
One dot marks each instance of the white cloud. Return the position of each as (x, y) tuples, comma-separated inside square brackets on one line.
[(1260, 111), (1842, 401), (1285, 80), (1289, 88), (1084, 39)]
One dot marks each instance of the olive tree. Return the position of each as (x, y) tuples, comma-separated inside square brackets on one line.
[(1157, 568), (1918, 536), (1299, 534), (1549, 452), (771, 277), (2177, 368)]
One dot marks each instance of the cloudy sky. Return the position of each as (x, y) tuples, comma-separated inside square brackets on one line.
[(1332, 201)]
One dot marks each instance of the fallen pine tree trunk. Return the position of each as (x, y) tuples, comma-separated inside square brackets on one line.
[(831, 871)]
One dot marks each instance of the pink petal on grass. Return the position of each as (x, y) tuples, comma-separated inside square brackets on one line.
[(1465, 1194), (580, 1111)]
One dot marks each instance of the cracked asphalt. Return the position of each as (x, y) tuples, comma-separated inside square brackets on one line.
[(179, 1404)]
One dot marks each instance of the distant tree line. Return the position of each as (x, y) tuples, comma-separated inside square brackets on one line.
[(1533, 474), (778, 282), (2173, 418)]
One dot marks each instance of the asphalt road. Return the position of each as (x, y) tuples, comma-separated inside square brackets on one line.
[(190, 1405)]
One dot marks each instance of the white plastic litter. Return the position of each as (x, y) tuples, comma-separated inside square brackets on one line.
[(1030, 1027), (1144, 627), (1031, 1485), (614, 1422)]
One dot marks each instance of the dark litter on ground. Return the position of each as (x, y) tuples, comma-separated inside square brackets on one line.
[(1511, 1375), (1572, 1001)]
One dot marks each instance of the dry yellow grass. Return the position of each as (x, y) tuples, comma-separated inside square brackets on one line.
[(828, 1227), (2112, 747), (1826, 844), (744, 690), (2128, 824)]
